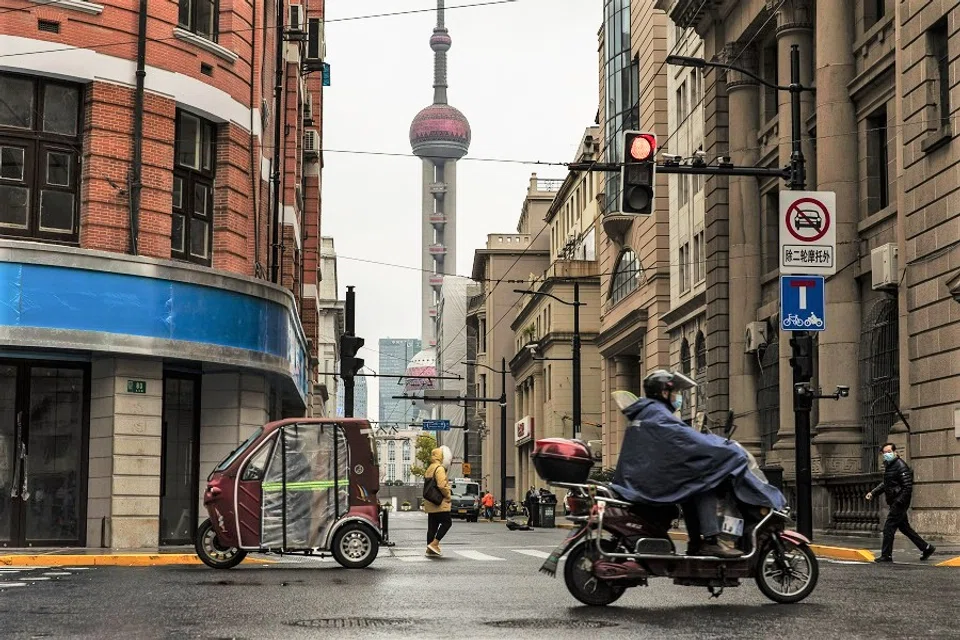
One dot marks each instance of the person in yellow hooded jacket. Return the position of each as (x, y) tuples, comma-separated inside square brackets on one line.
[(438, 515)]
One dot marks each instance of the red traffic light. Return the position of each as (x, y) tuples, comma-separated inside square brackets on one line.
[(642, 147)]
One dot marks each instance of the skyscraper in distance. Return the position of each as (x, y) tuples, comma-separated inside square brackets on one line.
[(395, 353)]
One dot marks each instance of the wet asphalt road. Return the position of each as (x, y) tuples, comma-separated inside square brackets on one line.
[(487, 586)]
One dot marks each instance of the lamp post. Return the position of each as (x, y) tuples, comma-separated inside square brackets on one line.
[(576, 304), (502, 401), (802, 396)]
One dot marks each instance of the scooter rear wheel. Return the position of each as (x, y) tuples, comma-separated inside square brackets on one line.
[(355, 546), (792, 580), (212, 553), (582, 584)]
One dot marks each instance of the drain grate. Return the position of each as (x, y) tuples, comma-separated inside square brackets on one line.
[(352, 623), (551, 624)]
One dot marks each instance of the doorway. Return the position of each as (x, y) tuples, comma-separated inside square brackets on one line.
[(179, 458), (44, 413)]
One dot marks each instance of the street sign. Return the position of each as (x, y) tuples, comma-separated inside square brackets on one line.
[(802, 304), (808, 232), (436, 425)]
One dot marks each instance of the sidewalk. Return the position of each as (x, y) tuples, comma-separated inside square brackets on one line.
[(72, 557)]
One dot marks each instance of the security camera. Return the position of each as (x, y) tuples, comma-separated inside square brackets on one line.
[(843, 390), (724, 161), (533, 346), (671, 159)]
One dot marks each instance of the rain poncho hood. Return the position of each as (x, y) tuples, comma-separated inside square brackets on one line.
[(662, 460), (442, 455)]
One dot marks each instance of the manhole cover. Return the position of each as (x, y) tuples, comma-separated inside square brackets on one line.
[(550, 624), (352, 623)]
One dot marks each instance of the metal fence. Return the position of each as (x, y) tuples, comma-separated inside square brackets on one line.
[(879, 378)]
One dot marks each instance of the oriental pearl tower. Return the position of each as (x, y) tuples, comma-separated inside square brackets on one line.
[(439, 135)]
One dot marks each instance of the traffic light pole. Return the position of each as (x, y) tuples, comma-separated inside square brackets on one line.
[(577, 409), (350, 312)]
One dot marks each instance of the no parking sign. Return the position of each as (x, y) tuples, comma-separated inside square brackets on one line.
[(808, 232)]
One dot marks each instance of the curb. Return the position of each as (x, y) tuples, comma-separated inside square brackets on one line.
[(952, 562), (842, 553), (111, 560)]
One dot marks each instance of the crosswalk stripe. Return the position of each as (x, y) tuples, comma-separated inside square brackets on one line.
[(532, 552), (476, 555), (413, 558)]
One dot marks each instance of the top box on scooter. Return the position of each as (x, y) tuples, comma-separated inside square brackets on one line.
[(562, 460)]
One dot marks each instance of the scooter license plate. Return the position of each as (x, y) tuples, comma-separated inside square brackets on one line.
[(733, 526)]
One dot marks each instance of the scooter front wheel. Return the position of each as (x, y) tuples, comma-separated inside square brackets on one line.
[(583, 584), (787, 577), (213, 553)]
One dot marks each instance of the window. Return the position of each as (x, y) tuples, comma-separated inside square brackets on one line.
[(771, 231), (391, 452), (622, 75), (699, 259), (625, 276), (685, 357), (685, 268), (879, 377), (406, 473), (937, 37), (406, 450), (195, 159), (700, 347), (873, 12), (878, 176), (39, 158), (201, 17)]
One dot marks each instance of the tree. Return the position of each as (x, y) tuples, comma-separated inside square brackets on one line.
[(425, 446)]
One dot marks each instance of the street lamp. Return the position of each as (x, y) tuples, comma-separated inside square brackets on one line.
[(576, 304), (802, 399), (502, 400)]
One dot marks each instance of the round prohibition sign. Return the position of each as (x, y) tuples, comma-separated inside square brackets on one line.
[(807, 223)]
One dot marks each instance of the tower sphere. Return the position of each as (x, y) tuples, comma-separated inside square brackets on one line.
[(440, 41), (440, 131)]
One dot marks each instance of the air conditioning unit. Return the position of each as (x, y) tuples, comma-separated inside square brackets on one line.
[(884, 267), (755, 336), (311, 142), (295, 18), (316, 42)]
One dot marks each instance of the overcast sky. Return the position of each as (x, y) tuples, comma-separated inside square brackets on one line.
[(525, 76)]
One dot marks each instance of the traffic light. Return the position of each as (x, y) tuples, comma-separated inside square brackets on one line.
[(802, 360), (350, 364), (639, 172)]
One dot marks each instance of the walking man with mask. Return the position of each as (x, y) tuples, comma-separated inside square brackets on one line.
[(897, 487)]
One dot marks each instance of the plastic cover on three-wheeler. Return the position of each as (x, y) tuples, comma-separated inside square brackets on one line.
[(305, 486)]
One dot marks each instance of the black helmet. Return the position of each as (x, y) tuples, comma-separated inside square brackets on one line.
[(662, 380)]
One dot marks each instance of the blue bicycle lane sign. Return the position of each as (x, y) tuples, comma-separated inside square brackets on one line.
[(802, 303)]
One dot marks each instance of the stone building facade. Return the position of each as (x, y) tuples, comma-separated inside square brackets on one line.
[(166, 305), (879, 131)]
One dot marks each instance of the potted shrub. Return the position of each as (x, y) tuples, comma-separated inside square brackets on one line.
[(405, 506)]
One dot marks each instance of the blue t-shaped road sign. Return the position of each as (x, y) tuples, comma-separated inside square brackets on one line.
[(802, 305)]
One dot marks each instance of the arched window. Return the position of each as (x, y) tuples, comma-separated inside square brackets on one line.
[(392, 451), (625, 276), (879, 378), (685, 357), (406, 450), (701, 347)]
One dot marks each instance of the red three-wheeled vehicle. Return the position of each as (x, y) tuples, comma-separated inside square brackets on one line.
[(303, 485)]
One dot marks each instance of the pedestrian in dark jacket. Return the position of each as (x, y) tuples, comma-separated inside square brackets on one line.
[(897, 487)]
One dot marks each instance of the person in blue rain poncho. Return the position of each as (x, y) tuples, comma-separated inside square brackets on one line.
[(664, 461)]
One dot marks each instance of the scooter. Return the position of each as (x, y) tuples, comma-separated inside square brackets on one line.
[(617, 544)]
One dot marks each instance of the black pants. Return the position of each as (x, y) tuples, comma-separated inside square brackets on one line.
[(437, 526), (897, 519)]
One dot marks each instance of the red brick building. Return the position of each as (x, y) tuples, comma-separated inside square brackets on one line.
[(159, 251)]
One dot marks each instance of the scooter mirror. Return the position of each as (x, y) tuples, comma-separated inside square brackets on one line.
[(623, 399)]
